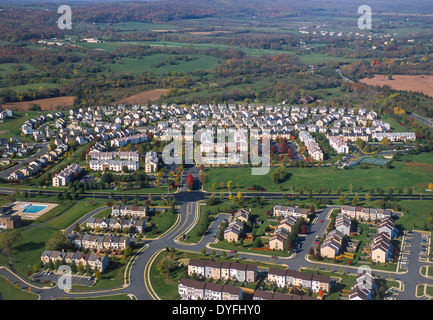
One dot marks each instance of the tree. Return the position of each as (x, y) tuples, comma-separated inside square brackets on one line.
[(58, 242), (312, 209), (190, 181), (7, 238)]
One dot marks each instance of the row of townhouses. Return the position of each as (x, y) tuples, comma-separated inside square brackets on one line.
[(95, 261), (292, 278), (223, 270), (189, 289), (116, 224), (94, 242), (286, 211), (132, 211), (361, 213)]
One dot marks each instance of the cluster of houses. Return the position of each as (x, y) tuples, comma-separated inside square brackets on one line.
[(34, 167), (292, 278), (66, 175), (99, 243), (94, 261), (380, 249), (116, 224), (235, 228), (14, 147), (133, 124)]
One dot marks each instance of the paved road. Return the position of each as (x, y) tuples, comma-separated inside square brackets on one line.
[(43, 149), (188, 202)]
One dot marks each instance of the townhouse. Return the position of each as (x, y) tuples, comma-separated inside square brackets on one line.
[(242, 214), (381, 248), (87, 241), (286, 211), (269, 295), (138, 226), (132, 211), (293, 278), (364, 288), (343, 224), (95, 261), (361, 213), (282, 231), (394, 136), (133, 139), (331, 246), (223, 270), (189, 289), (312, 146), (233, 231)]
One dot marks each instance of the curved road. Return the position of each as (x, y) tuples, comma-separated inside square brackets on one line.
[(188, 202)]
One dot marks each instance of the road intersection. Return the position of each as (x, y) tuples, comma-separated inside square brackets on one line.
[(136, 277)]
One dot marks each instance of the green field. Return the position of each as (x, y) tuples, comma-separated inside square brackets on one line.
[(405, 175), (8, 291), (149, 63)]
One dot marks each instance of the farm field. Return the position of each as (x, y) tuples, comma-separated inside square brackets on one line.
[(418, 83), (144, 97), (48, 104)]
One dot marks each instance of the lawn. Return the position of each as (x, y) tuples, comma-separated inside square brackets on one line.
[(417, 213), (418, 173), (8, 291), (161, 223)]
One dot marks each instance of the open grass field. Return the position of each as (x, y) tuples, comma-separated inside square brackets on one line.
[(418, 173), (48, 104), (419, 83), (8, 291)]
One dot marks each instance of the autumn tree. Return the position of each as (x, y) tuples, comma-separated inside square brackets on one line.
[(190, 181)]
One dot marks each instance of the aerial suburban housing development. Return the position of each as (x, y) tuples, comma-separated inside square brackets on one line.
[(217, 150)]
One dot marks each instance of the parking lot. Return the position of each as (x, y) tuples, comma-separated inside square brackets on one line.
[(46, 277)]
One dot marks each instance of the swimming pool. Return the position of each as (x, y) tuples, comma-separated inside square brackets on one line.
[(34, 208)]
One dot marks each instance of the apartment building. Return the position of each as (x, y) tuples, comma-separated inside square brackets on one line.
[(66, 175)]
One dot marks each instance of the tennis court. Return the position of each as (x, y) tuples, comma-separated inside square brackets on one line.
[(374, 161)]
